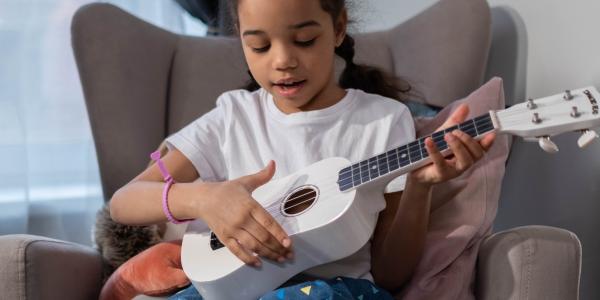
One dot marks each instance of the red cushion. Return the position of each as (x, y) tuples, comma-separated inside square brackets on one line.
[(156, 271)]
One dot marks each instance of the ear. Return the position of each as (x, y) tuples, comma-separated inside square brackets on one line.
[(340, 27)]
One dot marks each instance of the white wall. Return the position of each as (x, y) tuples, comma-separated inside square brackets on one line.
[(564, 37)]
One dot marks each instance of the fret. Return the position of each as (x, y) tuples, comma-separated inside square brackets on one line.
[(422, 147), (438, 139), (394, 162), (414, 151), (373, 168), (356, 174), (468, 128), (387, 163), (364, 171), (450, 129), (403, 156), (391, 155), (486, 127), (382, 164), (409, 156), (475, 126)]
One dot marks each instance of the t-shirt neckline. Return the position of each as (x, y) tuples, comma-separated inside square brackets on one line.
[(333, 111)]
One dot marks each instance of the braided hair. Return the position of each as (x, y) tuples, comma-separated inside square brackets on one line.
[(357, 76)]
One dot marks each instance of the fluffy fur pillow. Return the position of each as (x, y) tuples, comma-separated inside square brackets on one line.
[(117, 243), (463, 209)]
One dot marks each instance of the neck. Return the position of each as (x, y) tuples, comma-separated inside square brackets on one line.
[(406, 158)]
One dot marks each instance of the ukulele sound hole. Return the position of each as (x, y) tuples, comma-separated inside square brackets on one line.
[(300, 200)]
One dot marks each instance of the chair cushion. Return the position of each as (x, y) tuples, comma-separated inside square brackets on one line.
[(442, 52)]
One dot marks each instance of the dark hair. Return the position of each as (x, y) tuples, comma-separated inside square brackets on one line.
[(367, 78)]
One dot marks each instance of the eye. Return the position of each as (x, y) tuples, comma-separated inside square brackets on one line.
[(305, 43), (262, 49)]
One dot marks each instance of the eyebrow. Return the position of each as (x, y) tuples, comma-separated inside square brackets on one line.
[(296, 26)]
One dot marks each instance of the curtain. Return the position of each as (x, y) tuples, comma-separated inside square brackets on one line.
[(49, 180), (213, 13)]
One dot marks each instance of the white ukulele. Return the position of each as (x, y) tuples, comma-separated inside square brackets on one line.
[(323, 207)]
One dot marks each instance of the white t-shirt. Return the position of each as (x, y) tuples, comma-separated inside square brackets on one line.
[(246, 130)]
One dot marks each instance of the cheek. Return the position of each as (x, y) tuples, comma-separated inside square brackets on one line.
[(321, 60), (256, 66)]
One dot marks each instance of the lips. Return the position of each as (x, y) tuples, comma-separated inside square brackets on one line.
[(289, 82), (289, 87)]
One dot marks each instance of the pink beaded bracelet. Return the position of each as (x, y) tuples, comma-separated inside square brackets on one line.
[(168, 183)]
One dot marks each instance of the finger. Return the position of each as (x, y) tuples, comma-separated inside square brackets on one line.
[(249, 241), (262, 235), (436, 157), (253, 181), (266, 238), (487, 141), (241, 253), (457, 117), (463, 157), (270, 224), (473, 146)]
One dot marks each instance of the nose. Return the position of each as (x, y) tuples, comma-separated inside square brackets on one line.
[(284, 58)]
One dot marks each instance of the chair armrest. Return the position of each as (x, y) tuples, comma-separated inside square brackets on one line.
[(35, 267), (530, 262)]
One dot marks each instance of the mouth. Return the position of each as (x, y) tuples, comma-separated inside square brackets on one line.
[(289, 87)]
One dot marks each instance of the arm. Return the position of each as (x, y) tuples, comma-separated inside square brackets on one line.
[(228, 208), (139, 201), (400, 235)]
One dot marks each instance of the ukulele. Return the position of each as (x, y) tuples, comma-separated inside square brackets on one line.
[(323, 207)]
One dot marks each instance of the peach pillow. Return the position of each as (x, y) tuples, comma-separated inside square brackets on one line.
[(155, 271)]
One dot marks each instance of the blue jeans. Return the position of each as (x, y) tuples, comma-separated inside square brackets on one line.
[(339, 288)]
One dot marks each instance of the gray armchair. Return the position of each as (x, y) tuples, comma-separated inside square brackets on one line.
[(142, 83)]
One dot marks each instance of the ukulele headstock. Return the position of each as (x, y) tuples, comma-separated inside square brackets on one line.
[(539, 119)]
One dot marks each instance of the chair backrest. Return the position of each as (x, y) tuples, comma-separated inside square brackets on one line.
[(142, 83)]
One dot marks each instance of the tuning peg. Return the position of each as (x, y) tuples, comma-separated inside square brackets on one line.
[(568, 96), (586, 138), (531, 104), (547, 145)]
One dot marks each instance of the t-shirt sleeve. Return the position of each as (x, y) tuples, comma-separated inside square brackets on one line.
[(403, 132), (201, 140)]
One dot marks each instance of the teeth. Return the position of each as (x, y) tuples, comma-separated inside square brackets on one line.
[(290, 83)]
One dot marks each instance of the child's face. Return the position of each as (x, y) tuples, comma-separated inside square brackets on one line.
[(292, 42)]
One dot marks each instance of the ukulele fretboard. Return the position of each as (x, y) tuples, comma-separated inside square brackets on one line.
[(370, 169)]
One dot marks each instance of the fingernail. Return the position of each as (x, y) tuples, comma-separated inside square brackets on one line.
[(456, 132), (257, 263), (290, 255), (286, 242), (450, 137), (281, 259)]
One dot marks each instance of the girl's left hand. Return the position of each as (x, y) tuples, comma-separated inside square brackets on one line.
[(466, 152)]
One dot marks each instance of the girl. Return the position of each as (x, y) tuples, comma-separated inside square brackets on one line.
[(298, 116)]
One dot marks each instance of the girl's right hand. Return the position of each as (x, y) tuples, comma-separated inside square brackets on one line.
[(240, 222)]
